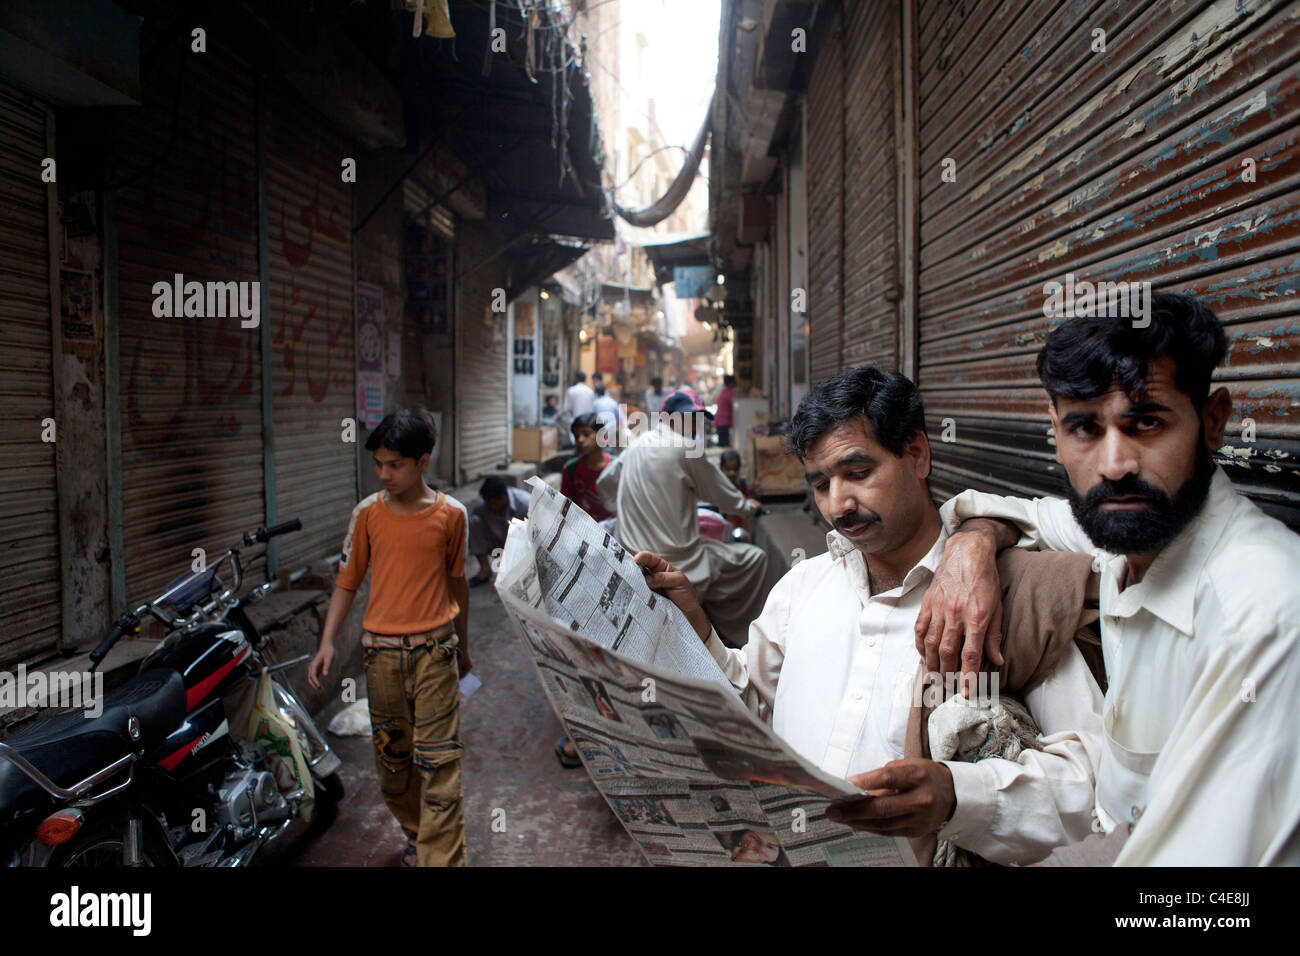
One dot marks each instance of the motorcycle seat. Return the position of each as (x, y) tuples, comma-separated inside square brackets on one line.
[(69, 747)]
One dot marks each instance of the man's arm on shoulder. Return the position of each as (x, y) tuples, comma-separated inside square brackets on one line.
[(1044, 523), (1018, 811), (960, 621)]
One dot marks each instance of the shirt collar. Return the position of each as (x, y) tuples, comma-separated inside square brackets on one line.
[(1168, 590), (843, 552)]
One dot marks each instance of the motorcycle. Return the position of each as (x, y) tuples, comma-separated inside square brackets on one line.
[(205, 758)]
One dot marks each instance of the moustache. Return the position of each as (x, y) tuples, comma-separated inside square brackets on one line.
[(1128, 487), (854, 520)]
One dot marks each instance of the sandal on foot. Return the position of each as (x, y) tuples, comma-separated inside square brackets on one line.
[(567, 762)]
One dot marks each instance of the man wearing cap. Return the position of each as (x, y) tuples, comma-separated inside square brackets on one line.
[(656, 484)]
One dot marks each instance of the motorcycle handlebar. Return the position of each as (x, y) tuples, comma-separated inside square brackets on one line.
[(266, 534), (106, 645)]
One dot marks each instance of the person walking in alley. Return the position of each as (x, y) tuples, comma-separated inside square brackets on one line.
[(726, 411), (580, 398), (608, 417), (416, 638), (655, 395), (656, 484), (490, 520)]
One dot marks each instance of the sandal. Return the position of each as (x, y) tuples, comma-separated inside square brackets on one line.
[(409, 856), (567, 762)]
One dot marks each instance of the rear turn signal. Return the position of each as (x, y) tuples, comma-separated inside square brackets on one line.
[(60, 827)]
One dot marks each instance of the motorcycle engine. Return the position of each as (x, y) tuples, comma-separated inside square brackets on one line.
[(246, 794)]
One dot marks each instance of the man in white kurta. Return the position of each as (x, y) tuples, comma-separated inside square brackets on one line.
[(1202, 715), (656, 485), (832, 667), (831, 662), (1200, 611)]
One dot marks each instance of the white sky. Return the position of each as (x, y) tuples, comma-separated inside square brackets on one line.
[(681, 60)]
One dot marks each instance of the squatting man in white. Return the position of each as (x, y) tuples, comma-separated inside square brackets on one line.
[(837, 636)]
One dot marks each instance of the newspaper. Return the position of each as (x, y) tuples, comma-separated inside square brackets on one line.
[(693, 776)]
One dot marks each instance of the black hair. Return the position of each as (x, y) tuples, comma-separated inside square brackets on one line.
[(1085, 356), (729, 381), (493, 487), (888, 400), (658, 383), (600, 390), (728, 456), (410, 432), (597, 377), (579, 376), (588, 420)]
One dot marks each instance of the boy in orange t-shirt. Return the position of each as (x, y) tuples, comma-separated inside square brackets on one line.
[(416, 639)]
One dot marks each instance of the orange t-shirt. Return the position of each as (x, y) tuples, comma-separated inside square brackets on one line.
[(414, 559)]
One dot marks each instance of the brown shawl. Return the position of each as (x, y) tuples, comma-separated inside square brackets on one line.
[(1048, 600)]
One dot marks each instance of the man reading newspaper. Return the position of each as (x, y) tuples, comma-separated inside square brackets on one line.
[(834, 644)]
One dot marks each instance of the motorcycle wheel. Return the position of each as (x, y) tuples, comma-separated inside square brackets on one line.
[(102, 847), (329, 794)]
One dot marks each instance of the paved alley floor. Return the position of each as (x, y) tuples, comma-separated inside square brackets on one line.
[(553, 816)]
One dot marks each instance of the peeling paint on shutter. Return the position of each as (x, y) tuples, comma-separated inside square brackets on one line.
[(30, 612), (1116, 166)]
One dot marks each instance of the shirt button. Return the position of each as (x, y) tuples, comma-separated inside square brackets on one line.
[(871, 641), (857, 695)]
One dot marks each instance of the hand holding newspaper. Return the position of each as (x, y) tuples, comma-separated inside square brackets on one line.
[(694, 777)]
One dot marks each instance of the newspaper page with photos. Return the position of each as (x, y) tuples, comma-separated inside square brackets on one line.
[(694, 777)]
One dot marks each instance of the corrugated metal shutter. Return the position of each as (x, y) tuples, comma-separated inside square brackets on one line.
[(852, 193), (30, 612), (191, 387), (309, 219), (824, 157), (871, 283), (483, 417), (1119, 166)]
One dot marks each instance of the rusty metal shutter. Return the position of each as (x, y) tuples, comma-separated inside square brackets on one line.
[(1119, 166), (824, 158), (30, 611), (483, 417), (191, 387), (309, 218), (871, 283)]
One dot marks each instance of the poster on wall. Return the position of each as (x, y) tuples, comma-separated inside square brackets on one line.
[(370, 398), (77, 306)]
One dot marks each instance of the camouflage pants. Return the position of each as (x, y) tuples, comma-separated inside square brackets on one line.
[(415, 718)]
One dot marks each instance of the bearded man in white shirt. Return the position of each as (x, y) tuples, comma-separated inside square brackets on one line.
[(834, 645), (1200, 612)]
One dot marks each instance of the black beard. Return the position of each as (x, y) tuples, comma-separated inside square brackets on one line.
[(1142, 532)]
